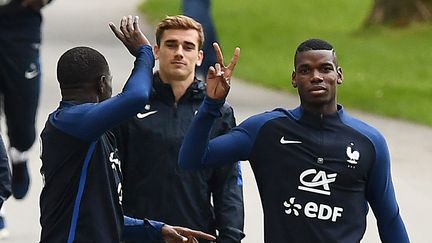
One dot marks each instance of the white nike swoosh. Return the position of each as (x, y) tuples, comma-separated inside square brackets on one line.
[(143, 115), (30, 74), (283, 141)]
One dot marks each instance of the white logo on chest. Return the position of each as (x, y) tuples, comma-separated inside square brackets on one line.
[(313, 210), (283, 141), (321, 179), (146, 114), (353, 155)]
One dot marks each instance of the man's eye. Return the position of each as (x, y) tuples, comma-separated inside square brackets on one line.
[(189, 48), (327, 69)]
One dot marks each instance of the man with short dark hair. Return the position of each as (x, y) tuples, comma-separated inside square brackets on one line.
[(316, 167), (82, 193)]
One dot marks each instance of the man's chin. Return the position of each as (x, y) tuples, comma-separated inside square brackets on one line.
[(179, 74)]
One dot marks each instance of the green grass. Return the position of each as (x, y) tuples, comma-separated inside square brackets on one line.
[(387, 71)]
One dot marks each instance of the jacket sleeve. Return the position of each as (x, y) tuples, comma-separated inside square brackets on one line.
[(90, 120), (197, 152), (5, 175), (227, 190), (138, 230), (381, 196)]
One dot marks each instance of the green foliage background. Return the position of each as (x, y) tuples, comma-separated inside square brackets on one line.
[(386, 71)]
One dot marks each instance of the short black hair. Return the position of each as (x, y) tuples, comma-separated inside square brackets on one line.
[(80, 66), (314, 44)]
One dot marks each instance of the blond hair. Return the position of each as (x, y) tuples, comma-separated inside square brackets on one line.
[(179, 22)]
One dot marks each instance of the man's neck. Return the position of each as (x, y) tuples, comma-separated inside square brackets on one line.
[(178, 86), (79, 96), (327, 109)]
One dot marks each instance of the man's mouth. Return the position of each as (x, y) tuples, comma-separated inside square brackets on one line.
[(317, 90), (178, 63)]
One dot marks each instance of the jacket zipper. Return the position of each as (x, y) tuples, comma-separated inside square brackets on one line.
[(175, 109), (320, 159)]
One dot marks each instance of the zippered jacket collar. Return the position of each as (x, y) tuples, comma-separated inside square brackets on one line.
[(163, 91)]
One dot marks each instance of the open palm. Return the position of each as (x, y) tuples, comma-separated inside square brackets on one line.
[(130, 34)]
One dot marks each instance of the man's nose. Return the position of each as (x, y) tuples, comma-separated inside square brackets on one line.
[(179, 51), (317, 76)]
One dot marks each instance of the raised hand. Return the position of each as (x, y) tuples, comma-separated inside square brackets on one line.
[(176, 234), (130, 34), (219, 76)]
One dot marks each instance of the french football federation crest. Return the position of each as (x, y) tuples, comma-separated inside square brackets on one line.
[(353, 155)]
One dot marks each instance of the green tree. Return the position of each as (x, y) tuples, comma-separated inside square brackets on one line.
[(400, 12)]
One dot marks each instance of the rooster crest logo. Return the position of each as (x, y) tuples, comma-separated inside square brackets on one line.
[(353, 155)]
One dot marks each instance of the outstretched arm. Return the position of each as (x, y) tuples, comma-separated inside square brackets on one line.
[(89, 121)]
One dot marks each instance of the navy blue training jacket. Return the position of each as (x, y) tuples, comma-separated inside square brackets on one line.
[(81, 197), (205, 200), (316, 174)]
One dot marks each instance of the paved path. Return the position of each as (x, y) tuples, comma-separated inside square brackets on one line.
[(80, 22)]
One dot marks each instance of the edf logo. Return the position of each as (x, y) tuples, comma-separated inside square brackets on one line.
[(313, 210)]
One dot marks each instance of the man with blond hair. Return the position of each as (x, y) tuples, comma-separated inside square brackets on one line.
[(154, 186)]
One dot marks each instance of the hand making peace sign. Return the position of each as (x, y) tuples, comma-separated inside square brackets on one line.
[(219, 76)]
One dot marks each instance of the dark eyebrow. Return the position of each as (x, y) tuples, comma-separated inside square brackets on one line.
[(170, 41), (327, 64), (303, 65), (190, 43), (175, 41)]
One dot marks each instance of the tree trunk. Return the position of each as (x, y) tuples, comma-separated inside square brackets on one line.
[(400, 12)]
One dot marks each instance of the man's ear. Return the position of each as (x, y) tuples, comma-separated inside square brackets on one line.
[(340, 75), (293, 81), (156, 51), (102, 85), (200, 58)]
